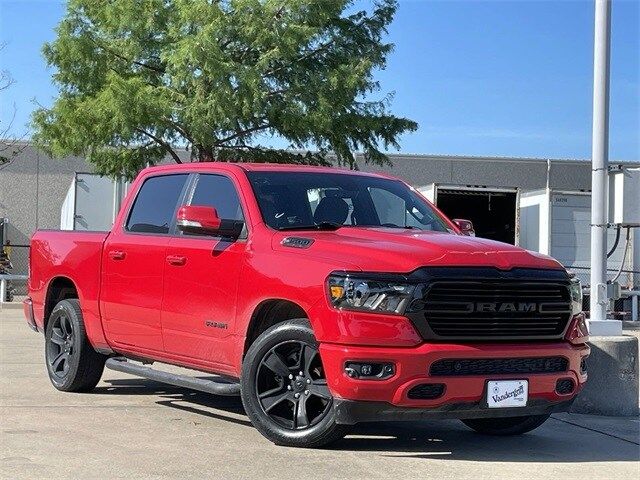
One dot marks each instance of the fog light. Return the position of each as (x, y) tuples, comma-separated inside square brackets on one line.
[(583, 365), (369, 370), (351, 372), (564, 386)]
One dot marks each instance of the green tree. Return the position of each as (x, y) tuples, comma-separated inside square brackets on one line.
[(10, 146), (138, 77)]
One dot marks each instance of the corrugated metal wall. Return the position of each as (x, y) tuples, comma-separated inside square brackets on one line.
[(33, 185)]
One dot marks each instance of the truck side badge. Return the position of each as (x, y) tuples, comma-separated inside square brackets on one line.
[(212, 324), (296, 242)]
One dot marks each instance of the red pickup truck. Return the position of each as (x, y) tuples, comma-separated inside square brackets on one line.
[(323, 297)]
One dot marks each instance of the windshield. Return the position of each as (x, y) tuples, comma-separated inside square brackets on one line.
[(298, 201)]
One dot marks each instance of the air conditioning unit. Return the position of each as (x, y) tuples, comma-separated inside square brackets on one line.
[(624, 197)]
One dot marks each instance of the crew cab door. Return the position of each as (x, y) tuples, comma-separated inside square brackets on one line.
[(134, 259), (201, 280)]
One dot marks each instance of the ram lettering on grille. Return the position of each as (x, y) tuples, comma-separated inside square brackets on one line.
[(497, 309)]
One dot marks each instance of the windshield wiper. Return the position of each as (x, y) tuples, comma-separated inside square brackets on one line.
[(325, 226), (393, 225)]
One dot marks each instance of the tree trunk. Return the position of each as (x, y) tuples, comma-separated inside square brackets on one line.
[(205, 154)]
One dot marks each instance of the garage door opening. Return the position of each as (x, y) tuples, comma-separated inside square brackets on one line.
[(493, 213)]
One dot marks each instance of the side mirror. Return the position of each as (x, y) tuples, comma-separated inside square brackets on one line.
[(203, 220), (465, 226)]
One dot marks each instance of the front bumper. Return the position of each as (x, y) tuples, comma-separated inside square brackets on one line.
[(349, 412), (462, 393)]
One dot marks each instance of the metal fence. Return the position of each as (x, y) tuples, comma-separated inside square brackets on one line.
[(629, 279), (19, 256), (624, 308)]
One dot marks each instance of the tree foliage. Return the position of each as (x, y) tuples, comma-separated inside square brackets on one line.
[(10, 146), (138, 77)]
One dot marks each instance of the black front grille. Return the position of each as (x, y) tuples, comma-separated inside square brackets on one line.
[(498, 366), (426, 391), (497, 308)]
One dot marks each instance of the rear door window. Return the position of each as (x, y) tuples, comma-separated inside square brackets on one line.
[(155, 206)]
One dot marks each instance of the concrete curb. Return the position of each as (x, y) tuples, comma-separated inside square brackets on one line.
[(612, 387), (10, 306)]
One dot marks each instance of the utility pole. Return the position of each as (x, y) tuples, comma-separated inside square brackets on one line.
[(612, 363), (598, 323)]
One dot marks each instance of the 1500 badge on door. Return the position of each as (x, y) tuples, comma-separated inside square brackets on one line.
[(212, 324)]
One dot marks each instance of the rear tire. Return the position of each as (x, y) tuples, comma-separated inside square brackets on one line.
[(72, 363), (506, 426), (284, 390)]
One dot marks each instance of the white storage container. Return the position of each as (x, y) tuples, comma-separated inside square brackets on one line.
[(92, 202)]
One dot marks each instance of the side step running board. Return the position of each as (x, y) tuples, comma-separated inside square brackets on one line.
[(222, 387)]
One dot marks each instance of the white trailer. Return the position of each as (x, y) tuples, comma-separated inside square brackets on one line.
[(558, 223), (494, 211), (92, 202)]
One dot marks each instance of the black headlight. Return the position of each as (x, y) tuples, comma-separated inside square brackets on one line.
[(369, 293)]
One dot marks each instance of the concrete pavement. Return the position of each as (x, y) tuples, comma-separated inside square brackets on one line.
[(133, 428)]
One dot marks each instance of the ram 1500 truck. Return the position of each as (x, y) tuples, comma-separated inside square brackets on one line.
[(323, 297)]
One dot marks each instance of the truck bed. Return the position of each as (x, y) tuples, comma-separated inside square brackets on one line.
[(62, 256)]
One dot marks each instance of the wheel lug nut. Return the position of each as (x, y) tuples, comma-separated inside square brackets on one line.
[(308, 380), (297, 395), (301, 373), (306, 392), (290, 376), (288, 387)]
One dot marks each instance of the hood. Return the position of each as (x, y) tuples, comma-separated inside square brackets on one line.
[(403, 250)]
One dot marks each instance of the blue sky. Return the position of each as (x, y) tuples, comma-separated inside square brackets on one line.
[(481, 78)]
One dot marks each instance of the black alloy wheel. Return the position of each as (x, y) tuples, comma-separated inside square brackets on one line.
[(60, 347), (291, 385), (72, 363), (284, 388)]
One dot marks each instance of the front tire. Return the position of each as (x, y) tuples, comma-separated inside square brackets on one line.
[(284, 388), (72, 363), (506, 426)]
